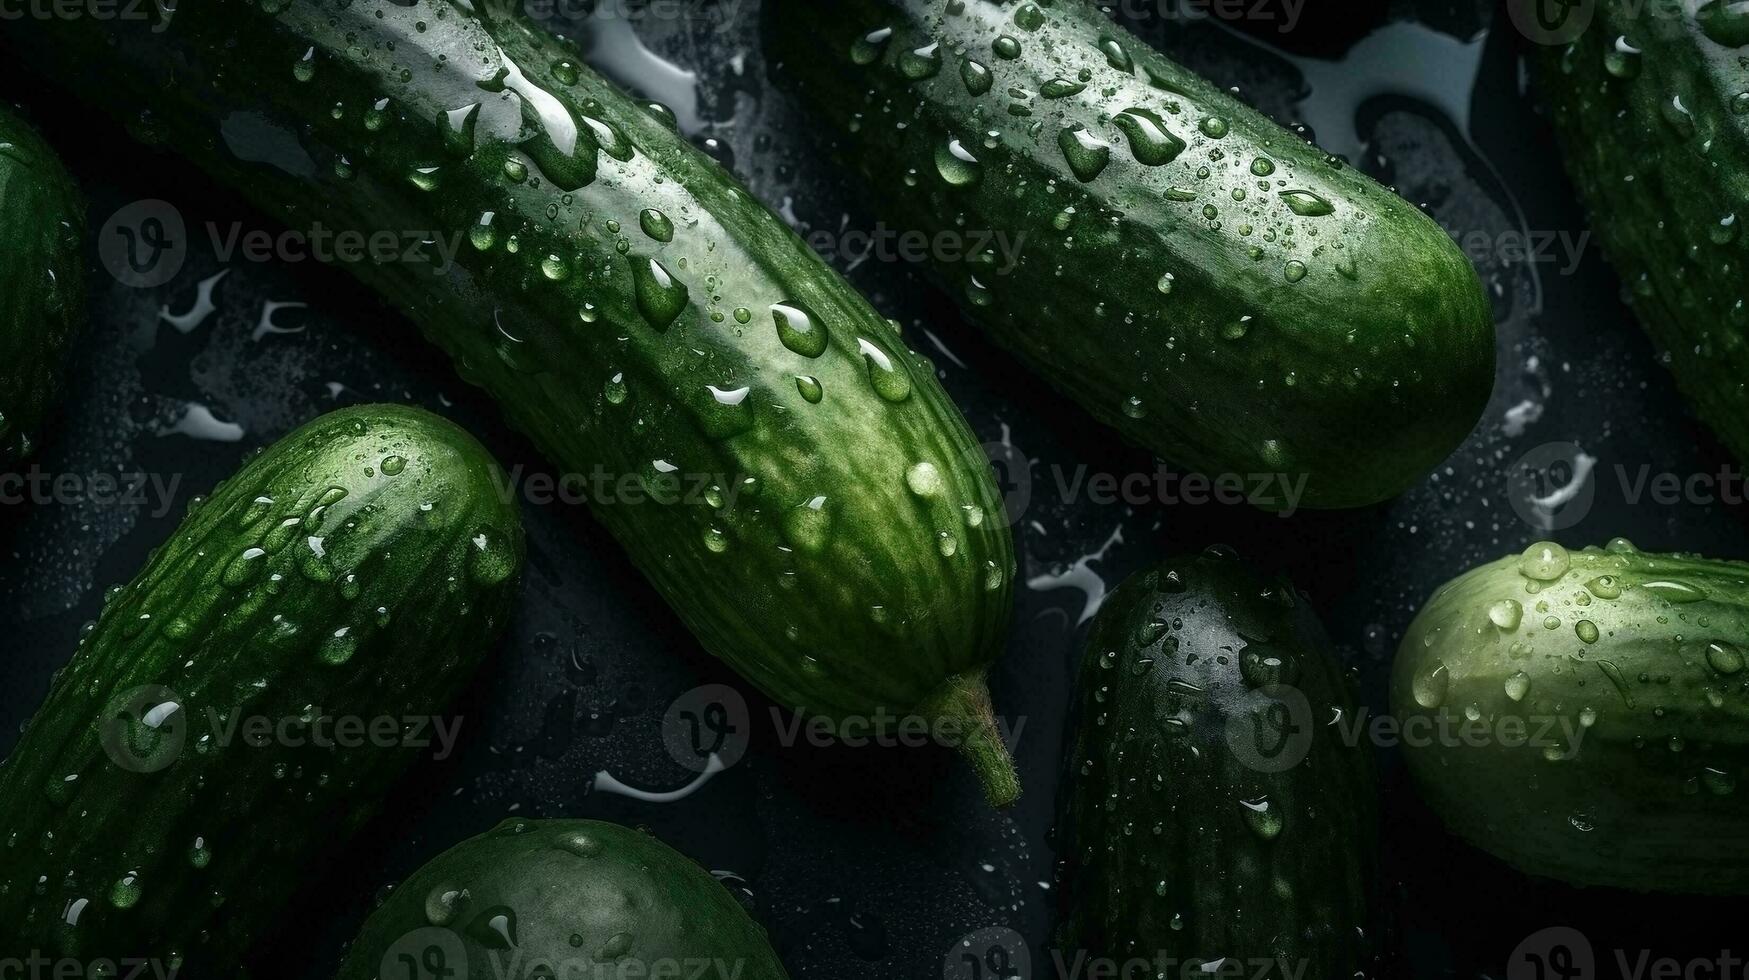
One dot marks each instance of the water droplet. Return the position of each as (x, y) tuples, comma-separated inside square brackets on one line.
[(924, 480), (393, 465), (244, 568), (339, 647), (482, 235), (1061, 88), (491, 559), (126, 891), (1307, 204), (867, 49), (809, 526), (1087, 155), (661, 297), (1605, 587), (1725, 22), (1587, 630), (1680, 593), (1151, 143), (1623, 58), (715, 540), (1214, 127), (1116, 56), (1724, 657), (976, 77), (1518, 685), (810, 389), (615, 389), (444, 904), (1506, 614), (1006, 46), (1264, 819), (890, 380), (1262, 167), (1236, 329), (656, 225), (956, 165), (1544, 561), (920, 63), (1294, 271), (1431, 684), (799, 329)]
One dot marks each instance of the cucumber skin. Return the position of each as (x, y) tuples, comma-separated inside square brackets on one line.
[(801, 625), (42, 282), (1657, 198), (446, 597), (1659, 822), (1141, 805), (571, 886), (1390, 369)]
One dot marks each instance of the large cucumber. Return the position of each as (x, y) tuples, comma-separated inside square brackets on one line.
[(1208, 283), (832, 531), (343, 584), (42, 281), (1651, 105), (1585, 715), (1213, 809), (561, 898)]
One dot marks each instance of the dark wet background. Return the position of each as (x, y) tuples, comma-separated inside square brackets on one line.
[(874, 863)]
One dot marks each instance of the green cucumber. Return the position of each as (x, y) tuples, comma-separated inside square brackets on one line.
[(1206, 282), (835, 532), (359, 568), (1585, 715), (1651, 107), (42, 282), (561, 898), (1212, 808)]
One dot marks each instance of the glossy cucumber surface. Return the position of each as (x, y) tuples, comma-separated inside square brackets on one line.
[(1206, 282)]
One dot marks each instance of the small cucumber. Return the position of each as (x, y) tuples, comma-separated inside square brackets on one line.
[(353, 574), (1585, 715), (790, 477), (1651, 106), (42, 282), (1211, 809), (561, 898), (1206, 282)]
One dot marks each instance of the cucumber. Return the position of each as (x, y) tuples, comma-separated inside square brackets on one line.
[(357, 569), (1585, 715), (561, 898), (42, 282), (832, 529), (1212, 809), (1209, 284), (1650, 108)]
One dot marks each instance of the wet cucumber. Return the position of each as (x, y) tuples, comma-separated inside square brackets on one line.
[(561, 898), (1651, 105), (1585, 715), (832, 529), (1212, 809), (42, 282), (360, 569), (1206, 282)]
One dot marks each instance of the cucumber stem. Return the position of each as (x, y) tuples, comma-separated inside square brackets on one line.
[(965, 701)]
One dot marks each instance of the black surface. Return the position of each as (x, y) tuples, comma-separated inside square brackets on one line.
[(874, 863)]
